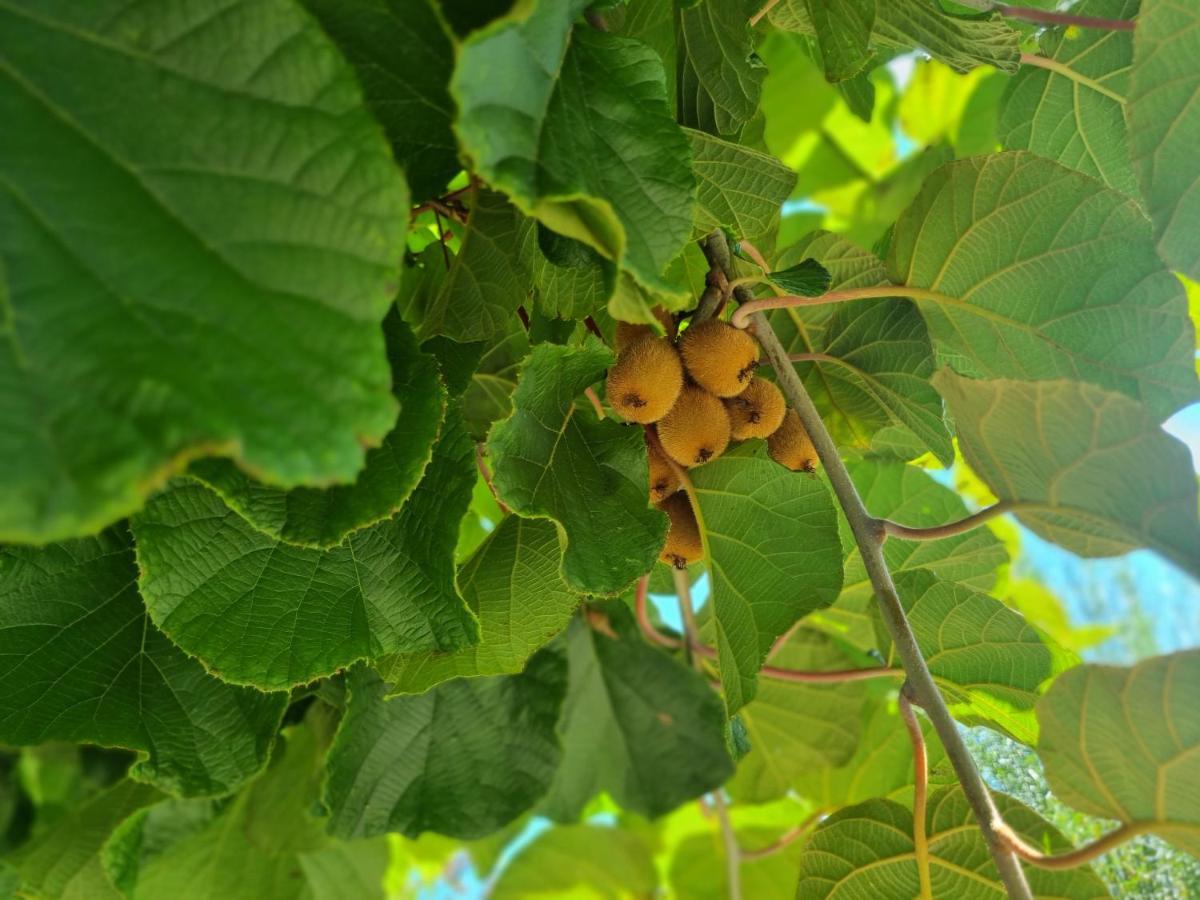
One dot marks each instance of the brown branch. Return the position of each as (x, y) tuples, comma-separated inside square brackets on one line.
[(1072, 858), (868, 537), (749, 306), (949, 529), (788, 837), (482, 466), (643, 617), (1052, 17), (920, 791), (758, 16), (441, 236)]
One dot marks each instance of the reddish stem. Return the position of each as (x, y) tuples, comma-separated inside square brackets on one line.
[(482, 466), (920, 790), (1051, 17)]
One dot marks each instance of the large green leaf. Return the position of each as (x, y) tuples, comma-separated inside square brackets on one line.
[(260, 611), (579, 861), (462, 759), (570, 279), (637, 723), (718, 78), (873, 358), (1030, 270), (407, 92), (64, 862), (315, 517), (82, 662), (1124, 743), (866, 852), (1075, 114), (198, 229), (554, 458), (573, 124), (843, 30), (488, 397), (793, 728), (512, 583), (1084, 467), (991, 665), (1164, 126), (739, 188), (265, 844), (771, 547)]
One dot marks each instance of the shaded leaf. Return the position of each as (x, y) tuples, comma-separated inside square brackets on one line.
[(1164, 126), (1030, 270), (718, 78), (259, 611), (1092, 471), (1076, 116), (512, 584), (82, 662), (843, 30), (570, 279), (637, 723), (807, 278), (553, 458), (574, 126), (866, 849), (598, 861), (316, 517), (462, 759), (1121, 743), (488, 397), (771, 547), (159, 288), (739, 188)]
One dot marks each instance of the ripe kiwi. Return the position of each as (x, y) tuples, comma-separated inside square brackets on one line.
[(646, 381), (720, 358), (697, 428), (629, 333), (663, 480), (757, 411), (683, 544), (791, 446)]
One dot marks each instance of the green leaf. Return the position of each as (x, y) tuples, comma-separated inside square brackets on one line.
[(553, 458), (1085, 468), (1164, 126), (771, 547), (462, 759), (82, 662), (512, 584), (260, 611), (807, 278), (1076, 114), (479, 295), (794, 728), (408, 93), (488, 397), (1030, 270), (574, 126), (718, 77), (739, 188), (843, 30), (636, 723), (315, 517), (1121, 743), (64, 862), (570, 279), (991, 665), (579, 861), (347, 871), (873, 357), (856, 853), (166, 269)]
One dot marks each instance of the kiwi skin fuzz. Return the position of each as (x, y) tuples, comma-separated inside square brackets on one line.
[(696, 430), (757, 412), (663, 480), (683, 545), (791, 447), (629, 333), (646, 380), (718, 357)]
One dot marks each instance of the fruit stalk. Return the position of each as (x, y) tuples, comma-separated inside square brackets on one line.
[(869, 535)]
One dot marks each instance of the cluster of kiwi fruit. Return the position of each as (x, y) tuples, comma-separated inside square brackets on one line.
[(695, 395)]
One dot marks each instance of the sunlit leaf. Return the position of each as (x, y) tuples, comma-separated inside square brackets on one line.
[(739, 188), (579, 861)]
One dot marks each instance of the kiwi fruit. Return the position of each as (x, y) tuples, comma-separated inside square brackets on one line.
[(663, 479), (718, 357), (791, 447), (646, 381), (629, 333), (696, 430), (683, 544), (757, 412)]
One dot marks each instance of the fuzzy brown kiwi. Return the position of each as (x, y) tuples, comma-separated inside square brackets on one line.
[(646, 381), (683, 544), (757, 412), (718, 357), (791, 447), (697, 428), (629, 333), (663, 480)]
